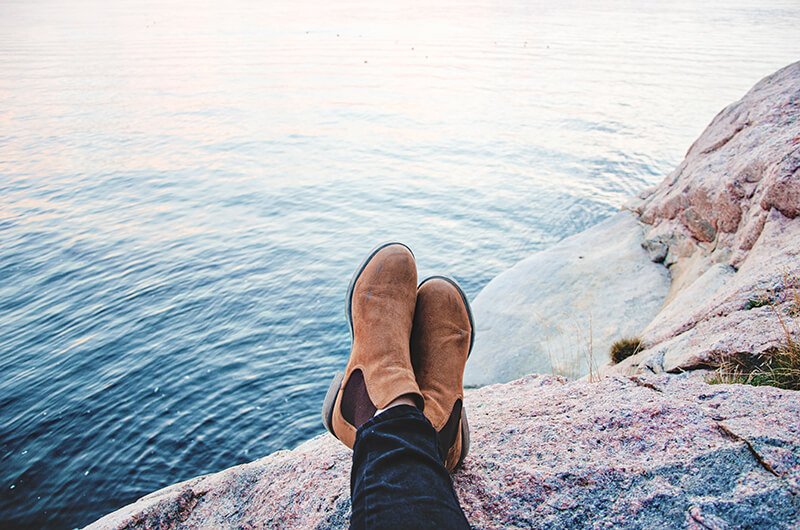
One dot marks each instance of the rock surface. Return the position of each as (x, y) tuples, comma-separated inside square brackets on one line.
[(722, 232), (647, 452), (555, 310), (726, 224)]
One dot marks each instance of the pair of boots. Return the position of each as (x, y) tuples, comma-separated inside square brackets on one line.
[(407, 341)]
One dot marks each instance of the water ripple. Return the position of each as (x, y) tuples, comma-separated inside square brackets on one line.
[(186, 192)]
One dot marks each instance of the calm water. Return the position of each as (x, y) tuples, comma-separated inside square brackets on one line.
[(185, 188)]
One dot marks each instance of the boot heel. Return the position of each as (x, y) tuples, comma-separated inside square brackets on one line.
[(330, 401)]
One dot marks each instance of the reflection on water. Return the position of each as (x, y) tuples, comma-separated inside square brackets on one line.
[(187, 186)]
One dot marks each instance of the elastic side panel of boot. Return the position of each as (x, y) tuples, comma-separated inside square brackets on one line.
[(447, 436), (357, 408)]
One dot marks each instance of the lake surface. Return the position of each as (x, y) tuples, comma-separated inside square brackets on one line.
[(186, 187)]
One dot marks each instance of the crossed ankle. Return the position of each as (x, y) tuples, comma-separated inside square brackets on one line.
[(406, 399)]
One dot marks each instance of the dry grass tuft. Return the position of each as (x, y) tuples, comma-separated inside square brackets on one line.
[(780, 366), (624, 348)]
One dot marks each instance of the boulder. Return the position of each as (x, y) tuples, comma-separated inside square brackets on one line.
[(560, 310)]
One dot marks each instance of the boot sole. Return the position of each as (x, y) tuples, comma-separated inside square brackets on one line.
[(330, 400), (336, 384)]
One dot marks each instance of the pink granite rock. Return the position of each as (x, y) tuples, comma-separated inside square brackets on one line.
[(746, 163), (734, 202), (648, 452)]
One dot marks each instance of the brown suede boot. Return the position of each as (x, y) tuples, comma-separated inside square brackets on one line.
[(380, 310), (441, 342)]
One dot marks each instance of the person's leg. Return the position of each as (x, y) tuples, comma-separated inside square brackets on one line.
[(401, 456), (398, 478)]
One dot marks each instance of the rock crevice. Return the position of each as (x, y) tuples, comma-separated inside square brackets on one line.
[(733, 436)]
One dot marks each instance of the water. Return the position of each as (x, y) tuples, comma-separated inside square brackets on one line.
[(186, 188)]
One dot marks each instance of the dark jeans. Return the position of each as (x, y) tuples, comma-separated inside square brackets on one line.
[(398, 478)]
